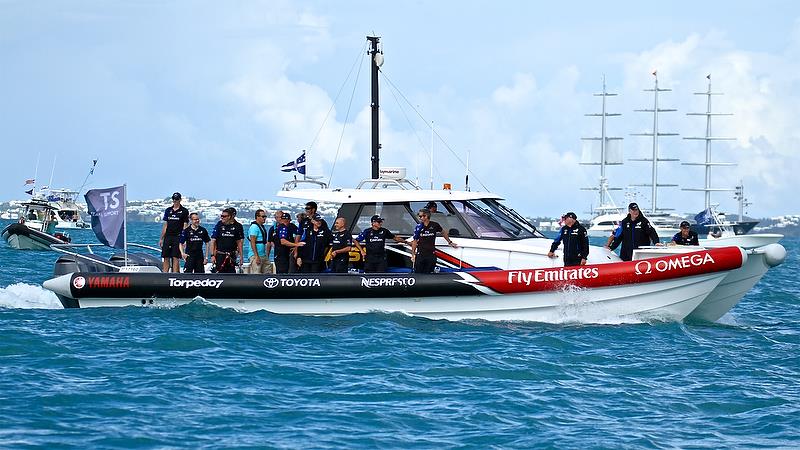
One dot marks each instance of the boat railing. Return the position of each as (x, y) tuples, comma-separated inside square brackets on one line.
[(295, 184), (92, 257), (388, 183)]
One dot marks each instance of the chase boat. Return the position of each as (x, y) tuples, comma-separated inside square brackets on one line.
[(35, 230), (499, 271)]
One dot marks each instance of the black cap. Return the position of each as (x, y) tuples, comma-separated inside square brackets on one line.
[(311, 205), (176, 196), (633, 206), (376, 218), (571, 214), (430, 205), (316, 217), (685, 224), (286, 216)]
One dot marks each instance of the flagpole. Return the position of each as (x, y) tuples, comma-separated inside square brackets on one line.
[(36, 173), (125, 220), (52, 171)]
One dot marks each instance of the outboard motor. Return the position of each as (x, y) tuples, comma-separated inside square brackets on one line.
[(136, 259), (68, 264)]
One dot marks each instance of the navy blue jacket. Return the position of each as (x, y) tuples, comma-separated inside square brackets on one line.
[(576, 243), (633, 234)]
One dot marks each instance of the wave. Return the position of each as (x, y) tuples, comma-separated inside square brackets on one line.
[(28, 296)]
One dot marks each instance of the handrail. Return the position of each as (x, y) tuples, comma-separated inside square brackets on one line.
[(62, 248)]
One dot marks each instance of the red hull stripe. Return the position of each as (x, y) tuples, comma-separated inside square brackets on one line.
[(453, 260), (613, 274)]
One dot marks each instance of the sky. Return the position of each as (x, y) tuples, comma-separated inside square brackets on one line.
[(210, 98)]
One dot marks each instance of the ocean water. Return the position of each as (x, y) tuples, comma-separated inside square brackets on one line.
[(199, 376)]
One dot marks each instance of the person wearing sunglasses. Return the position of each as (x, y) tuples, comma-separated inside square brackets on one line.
[(256, 250), (285, 243), (176, 219), (423, 245), (227, 241)]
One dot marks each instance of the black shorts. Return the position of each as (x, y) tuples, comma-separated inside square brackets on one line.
[(340, 263), (171, 248), (225, 263), (312, 267), (424, 263), (194, 264), (282, 263), (375, 264)]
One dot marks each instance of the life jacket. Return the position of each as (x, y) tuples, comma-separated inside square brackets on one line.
[(263, 232)]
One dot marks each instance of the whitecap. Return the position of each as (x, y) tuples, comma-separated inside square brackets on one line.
[(28, 296)]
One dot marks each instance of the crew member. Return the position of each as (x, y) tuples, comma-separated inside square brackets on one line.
[(686, 236), (317, 239), (176, 218), (271, 236), (575, 239), (341, 244), (257, 244), (284, 242), (423, 246), (374, 249), (633, 231), (431, 206), (304, 223), (192, 239), (226, 242)]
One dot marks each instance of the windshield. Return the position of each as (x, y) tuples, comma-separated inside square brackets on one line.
[(490, 219)]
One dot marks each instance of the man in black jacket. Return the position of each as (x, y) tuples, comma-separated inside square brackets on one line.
[(575, 239), (634, 231)]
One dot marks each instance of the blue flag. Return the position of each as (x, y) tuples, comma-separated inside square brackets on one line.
[(299, 165), (107, 208), (705, 217)]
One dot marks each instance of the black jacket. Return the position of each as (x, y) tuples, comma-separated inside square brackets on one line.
[(575, 240), (633, 234)]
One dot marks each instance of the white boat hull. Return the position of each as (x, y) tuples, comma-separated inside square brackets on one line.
[(666, 288), (660, 301)]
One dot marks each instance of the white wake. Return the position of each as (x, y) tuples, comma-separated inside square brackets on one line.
[(28, 296)]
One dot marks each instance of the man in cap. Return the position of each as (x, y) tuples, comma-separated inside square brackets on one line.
[(374, 250), (575, 239), (633, 231), (686, 236), (175, 218), (284, 241), (317, 239), (431, 206)]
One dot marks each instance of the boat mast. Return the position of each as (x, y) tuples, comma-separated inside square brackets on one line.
[(376, 56), (739, 195), (708, 189), (655, 135), (602, 188)]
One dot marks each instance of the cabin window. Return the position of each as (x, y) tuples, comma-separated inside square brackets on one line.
[(447, 216), (397, 218), (490, 220)]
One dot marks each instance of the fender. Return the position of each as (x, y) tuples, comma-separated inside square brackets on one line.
[(614, 274)]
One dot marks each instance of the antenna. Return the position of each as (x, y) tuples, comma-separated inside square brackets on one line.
[(655, 134), (708, 189), (432, 135), (610, 154)]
